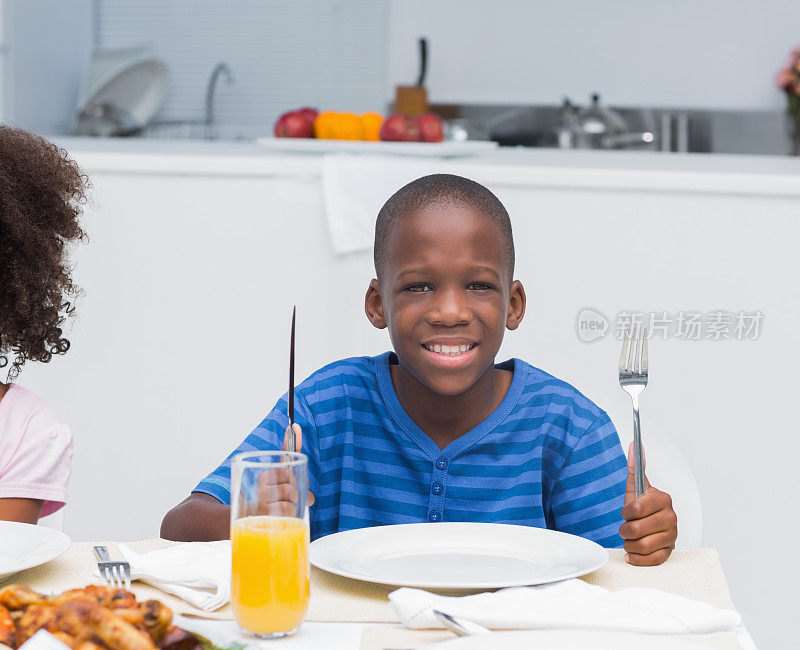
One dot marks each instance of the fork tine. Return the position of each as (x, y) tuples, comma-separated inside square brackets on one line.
[(117, 577), (642, 348), (127, 568), (623, 357), (644, 353), (631, 363), (107, 575), (637, 351)]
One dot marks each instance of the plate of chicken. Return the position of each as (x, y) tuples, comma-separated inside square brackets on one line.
[(90, 618)]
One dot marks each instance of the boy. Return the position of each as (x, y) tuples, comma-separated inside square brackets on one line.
[(435, 431)]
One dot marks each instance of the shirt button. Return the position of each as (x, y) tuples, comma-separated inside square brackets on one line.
[(437, 488), (441, 463), (434, 516)]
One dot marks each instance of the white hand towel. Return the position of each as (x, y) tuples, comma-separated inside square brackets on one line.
[(197, 572), (568, 604), (355, 187)]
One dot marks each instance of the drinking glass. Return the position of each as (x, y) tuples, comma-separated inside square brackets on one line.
[(269, 536)]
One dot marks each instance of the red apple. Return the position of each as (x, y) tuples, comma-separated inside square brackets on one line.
[(309, 113), (393, 128), (399, 128), (412, 130), (294, 125), (430, 128)]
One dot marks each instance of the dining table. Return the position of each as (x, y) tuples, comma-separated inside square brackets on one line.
[(348, 614)]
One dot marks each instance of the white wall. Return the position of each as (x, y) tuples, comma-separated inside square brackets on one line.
[(712, 54), (47, 43), (5, 79), (181, 341)]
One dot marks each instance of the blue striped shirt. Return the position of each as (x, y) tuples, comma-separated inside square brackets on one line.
[(546, 457)]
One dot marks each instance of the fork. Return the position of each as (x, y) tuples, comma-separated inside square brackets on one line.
[(116, 573), (633, 379)]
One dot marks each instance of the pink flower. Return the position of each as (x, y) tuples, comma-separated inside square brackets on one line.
[(795, 55), (785, 79)]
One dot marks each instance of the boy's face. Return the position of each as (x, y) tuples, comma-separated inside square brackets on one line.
[(446, 295)]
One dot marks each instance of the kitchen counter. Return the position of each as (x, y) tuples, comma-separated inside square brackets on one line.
[(518, 167)]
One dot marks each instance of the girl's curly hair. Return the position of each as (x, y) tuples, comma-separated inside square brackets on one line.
[(42, 192)]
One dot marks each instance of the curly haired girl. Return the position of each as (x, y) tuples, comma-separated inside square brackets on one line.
[(41, 194)]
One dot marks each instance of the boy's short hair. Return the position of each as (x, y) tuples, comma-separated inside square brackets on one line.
[(446, 189)]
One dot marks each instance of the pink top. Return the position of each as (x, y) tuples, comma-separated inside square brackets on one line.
[(35, 450)]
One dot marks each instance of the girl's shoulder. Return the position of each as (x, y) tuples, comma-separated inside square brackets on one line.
[(23, 412)]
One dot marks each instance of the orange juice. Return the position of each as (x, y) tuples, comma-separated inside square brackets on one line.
[(270, 573)]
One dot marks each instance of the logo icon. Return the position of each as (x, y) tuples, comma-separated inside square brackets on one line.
[(592, 325)]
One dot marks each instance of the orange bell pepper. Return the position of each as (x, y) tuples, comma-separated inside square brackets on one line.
[(330, 125), (371, 125), (348, 127), (324, 125)]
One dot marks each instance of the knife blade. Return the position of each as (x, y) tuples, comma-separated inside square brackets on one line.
[(289, 438)]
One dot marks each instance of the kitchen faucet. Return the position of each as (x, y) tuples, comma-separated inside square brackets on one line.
[(211, 89)]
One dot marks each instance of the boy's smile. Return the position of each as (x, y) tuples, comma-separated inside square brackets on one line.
[(446, 296)]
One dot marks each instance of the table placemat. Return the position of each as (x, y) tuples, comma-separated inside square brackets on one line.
[(695, 574)]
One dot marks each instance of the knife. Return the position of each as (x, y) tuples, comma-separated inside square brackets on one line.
[(290, 436), (423, 61)]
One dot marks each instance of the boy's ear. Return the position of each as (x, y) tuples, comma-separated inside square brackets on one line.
[(373, 305), (516, 305)]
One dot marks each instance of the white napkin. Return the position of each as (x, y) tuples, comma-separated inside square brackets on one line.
[(355, 187), (568, 604), (197, 572), (43, 640)]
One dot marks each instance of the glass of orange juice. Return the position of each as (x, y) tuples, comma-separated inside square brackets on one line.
[(269, 536)]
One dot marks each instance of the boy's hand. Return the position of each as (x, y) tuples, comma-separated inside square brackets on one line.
[(298, 446), (651, 525)]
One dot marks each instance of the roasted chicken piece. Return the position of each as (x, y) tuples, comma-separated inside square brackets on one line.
[(152, 616), (78, 616), (7, 635), (65, 638), (87, 644), (35, 618), (16, 597), (121, 599), (108, 597)]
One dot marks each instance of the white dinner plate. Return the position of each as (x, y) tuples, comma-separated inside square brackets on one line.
[(435, 149), (456, 555), (570, 640), (23, 546)]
